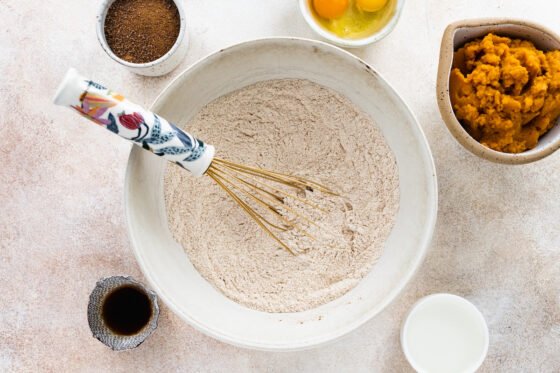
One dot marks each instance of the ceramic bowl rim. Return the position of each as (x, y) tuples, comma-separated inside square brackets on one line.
[(423, 243), (100, 30), (350, 43), (444, 101)]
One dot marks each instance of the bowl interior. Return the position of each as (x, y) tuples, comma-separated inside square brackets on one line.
[(471, 30), (168, 268)]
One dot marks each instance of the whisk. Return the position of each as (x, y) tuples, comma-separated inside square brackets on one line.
[(261, 193)]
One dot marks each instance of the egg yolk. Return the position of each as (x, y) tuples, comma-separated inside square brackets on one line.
[(370, 5), (330, 9)]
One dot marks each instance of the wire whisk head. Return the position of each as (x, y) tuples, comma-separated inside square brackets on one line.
[(263, 193)]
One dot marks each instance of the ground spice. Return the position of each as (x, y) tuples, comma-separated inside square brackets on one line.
[(141, 31)]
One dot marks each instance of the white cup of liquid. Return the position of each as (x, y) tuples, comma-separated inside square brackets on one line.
[(444, 333)]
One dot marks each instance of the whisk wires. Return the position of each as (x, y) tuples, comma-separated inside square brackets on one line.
[(263, 188)]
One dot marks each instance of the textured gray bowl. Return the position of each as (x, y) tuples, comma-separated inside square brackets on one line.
[(100, 331)]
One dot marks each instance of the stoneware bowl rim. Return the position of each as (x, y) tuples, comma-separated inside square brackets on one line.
[(351, 43), (444, 102), (166, 266), (100, 29)]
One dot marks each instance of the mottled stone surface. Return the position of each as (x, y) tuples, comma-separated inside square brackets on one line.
[(62, 224)]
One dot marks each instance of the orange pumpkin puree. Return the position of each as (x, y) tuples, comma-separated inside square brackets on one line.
[(505, 92)]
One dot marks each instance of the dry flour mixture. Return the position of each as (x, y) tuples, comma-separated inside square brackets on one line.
[(298, 127)]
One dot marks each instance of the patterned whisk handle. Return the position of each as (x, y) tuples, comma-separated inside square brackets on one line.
[(132, 122)]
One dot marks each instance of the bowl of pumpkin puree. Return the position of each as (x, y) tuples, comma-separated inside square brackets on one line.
[(499, 88)]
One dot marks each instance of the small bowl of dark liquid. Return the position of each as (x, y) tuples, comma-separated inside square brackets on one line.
[(122, 313)]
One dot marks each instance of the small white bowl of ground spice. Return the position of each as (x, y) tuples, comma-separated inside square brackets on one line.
[(146, 36)]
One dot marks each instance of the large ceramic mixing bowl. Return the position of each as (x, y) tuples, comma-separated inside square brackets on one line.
[(167, 267)]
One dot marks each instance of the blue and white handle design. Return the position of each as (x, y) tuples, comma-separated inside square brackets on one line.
[(134, 123)]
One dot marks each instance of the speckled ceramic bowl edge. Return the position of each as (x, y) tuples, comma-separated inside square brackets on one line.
[(544, 148), (206, 309)]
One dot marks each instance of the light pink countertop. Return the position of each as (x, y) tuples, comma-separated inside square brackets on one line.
[(62, 223)]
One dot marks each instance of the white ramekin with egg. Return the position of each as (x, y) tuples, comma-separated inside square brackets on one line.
[(352, 23)]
